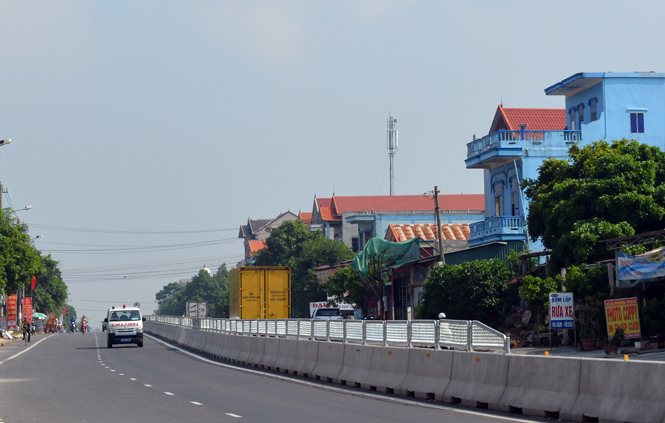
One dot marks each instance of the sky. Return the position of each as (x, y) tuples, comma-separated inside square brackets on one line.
[(145, 133)]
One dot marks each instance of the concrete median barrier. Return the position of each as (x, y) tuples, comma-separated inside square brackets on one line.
[(288, 350), (210, 343), (233, 348), (329, 362), (357, 365), (306, 355), (257, 349), (477, 379), (541, 386), (620, 391), (389, 369), (270, 353), (245, 349), (428, 374)]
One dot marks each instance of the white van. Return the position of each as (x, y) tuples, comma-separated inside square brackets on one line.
[(124, 326)]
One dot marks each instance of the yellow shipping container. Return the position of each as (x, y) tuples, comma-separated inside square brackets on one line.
[(260, 293)]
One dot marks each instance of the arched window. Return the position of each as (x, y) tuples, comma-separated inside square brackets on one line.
[(573, 124)]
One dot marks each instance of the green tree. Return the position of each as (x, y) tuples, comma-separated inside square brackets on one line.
[(603, 191), (293, 245), (536, 293), (221, 306), (346, 281), (476, 290), (19, 260), (50, 294), (71, 314)]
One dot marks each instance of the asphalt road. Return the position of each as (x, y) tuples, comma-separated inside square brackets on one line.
[(75, 378)]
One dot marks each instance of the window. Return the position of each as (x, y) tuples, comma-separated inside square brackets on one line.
[(592, 109), (355, 245), (637, 123), (580, 113), (498, 199), (514, 198), (572, 118)]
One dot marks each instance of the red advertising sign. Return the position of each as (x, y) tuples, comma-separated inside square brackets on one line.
[(27, 309), (11, 312)]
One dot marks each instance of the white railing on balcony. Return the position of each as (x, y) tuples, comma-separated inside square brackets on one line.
[(468, 335), (524, 139)]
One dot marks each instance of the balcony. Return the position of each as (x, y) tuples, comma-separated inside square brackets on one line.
[(494, 229), (501, 147)]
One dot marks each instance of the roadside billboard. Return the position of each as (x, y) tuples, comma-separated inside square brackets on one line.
[(561, 310), (623, 313), (197, 309), (11, 312), (27, 309)]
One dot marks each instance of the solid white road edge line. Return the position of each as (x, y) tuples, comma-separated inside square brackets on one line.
[(25, 350), (332, 388)]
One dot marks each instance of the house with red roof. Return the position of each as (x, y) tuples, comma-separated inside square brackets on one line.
[(256, 231), (354, 220), (517, 143)]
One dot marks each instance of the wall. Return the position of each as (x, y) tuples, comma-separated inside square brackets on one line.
[(575, 389)]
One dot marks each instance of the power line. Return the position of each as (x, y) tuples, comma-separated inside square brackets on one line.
[(109, 231)]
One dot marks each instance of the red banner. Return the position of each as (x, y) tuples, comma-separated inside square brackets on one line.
[(11, 312), (27, 309), (33, 283)]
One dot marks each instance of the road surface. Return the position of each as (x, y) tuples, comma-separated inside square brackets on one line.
[(75, 378)]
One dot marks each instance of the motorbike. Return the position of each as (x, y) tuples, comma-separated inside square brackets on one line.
[(84, 328), (72, 328)]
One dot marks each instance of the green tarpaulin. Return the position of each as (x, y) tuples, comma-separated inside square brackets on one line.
[(391, 253)]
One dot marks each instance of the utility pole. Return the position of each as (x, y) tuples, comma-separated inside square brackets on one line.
[(438, 224), (2, 191), (392, 147)]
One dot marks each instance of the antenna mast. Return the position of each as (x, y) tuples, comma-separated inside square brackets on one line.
[(392, 147)]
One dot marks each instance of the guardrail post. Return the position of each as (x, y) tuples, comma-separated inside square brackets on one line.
[(506, 346), (311, 330), (327, 330), (385, 333), (469, 336), (297, 328), (344, 332), (364, 333), (409, 328), (437, 334)]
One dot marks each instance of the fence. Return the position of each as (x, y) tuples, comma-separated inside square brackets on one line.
[(468, 335)]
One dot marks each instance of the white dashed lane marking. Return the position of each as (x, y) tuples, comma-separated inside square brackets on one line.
[(113, 370), (196, 403), (121, 374), (233, 415), (132, 378), (147, 386), (168, 393)]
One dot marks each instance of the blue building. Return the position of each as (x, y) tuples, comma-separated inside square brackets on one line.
[(598, 106)]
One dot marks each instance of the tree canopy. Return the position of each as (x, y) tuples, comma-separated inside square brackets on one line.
[(19, 260), (50, 294), (603, 191), (475, 290), (293, 245), (213, 289)]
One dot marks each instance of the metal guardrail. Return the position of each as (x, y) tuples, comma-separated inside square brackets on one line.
[(468, 335)]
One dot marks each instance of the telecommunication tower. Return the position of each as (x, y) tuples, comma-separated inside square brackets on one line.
[(392, 147)]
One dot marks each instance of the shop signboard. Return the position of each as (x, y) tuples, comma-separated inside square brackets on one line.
[(623, 313), (561, 310)]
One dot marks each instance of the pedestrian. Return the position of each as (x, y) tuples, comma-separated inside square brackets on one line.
[(26, 329)]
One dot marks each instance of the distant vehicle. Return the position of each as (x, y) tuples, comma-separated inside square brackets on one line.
[(327, 313), (124, 326), (104, 326)]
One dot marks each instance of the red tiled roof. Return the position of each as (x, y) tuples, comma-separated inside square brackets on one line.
[(324, 202), (475, 202), (535, 119), (255, 246), (328, 214), (428, 232), (305, 217)]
